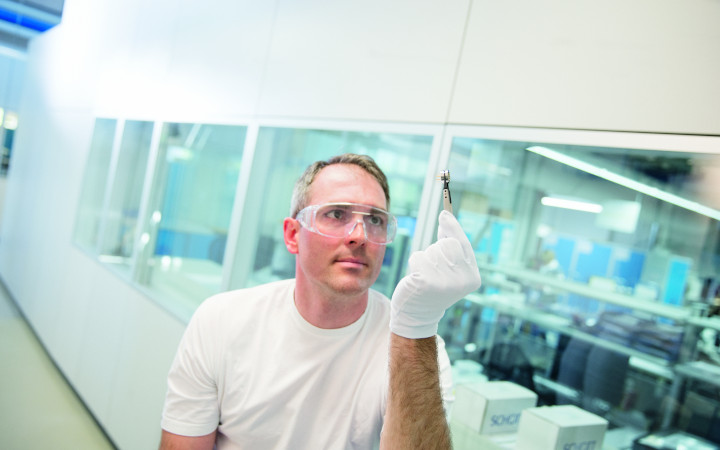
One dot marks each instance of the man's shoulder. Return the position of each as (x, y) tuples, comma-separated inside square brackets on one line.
[(247, 298)]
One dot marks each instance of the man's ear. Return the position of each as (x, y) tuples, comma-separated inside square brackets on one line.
[(291, 230)]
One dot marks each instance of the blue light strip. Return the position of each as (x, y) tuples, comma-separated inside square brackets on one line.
[(24, 21)]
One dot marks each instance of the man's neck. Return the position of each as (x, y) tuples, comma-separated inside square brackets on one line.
[(329, 310)]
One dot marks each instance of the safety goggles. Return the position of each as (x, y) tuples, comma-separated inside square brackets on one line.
[(339, 220)]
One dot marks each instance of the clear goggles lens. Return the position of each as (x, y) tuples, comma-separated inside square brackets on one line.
[(340, 219)]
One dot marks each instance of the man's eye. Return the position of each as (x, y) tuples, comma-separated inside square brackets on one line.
[(337, 214), (377, 221)]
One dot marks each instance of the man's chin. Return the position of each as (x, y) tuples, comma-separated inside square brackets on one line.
[(352, 287)]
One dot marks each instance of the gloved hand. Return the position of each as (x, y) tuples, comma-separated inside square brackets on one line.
[(437, 277)]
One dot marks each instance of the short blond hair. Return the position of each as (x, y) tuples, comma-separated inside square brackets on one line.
[(301, 192)]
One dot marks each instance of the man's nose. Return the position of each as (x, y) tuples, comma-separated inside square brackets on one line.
[(357, 233)]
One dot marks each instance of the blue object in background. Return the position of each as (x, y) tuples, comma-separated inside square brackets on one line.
[(592, 264), (406, 223), (186, 245), (582, 266), (31, 23), (496, 236), (676, 279), (564, 249), (630, 270)]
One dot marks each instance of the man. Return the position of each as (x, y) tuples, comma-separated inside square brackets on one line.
[(323, 361)]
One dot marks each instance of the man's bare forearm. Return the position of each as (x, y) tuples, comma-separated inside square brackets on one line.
[(415, 418)]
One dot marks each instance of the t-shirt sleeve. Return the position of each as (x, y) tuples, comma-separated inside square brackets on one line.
[(191, 403)]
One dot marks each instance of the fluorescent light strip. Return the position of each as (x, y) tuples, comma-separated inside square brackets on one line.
[(572, 204), (627, 182)]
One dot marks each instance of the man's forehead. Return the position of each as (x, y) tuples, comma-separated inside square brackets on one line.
[(332, 182)]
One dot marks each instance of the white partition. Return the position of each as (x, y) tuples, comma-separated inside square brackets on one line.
[(374, 60), (612, 65)]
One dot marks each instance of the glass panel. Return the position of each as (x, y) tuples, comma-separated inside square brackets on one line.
[(596, 263), (194, 190), (287, 152), (118, 235), (89, 216)]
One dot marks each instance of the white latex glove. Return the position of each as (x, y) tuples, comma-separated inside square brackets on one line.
[(437, 277)]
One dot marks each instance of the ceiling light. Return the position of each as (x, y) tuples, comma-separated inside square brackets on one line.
[(625, 181), (571, 204)]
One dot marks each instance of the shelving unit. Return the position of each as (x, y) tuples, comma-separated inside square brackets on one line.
[(670, 312), (503, 293), (638, 359)]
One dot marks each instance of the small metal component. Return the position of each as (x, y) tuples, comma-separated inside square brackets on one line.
[(445, 175), (447, 200)]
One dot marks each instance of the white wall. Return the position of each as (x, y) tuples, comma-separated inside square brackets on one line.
[(637, 66), (644, 65)]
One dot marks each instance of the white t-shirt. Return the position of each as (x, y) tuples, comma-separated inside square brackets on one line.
[(252, 367)]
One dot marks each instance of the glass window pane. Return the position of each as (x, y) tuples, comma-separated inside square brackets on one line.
[(594, 262), (89, 215), (120, 222), (191, 204), (285, 153)]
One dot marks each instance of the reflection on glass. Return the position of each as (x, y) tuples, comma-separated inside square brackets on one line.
[(194, 189), (120, 225), (287, 152), (90, 208), (595, 262)]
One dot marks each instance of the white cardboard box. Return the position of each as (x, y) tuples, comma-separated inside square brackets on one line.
[(562, 427), (492, 406)]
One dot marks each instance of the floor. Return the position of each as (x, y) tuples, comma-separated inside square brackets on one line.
[(38, 409)]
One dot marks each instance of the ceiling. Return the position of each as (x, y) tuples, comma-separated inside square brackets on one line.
[(21, 20)]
